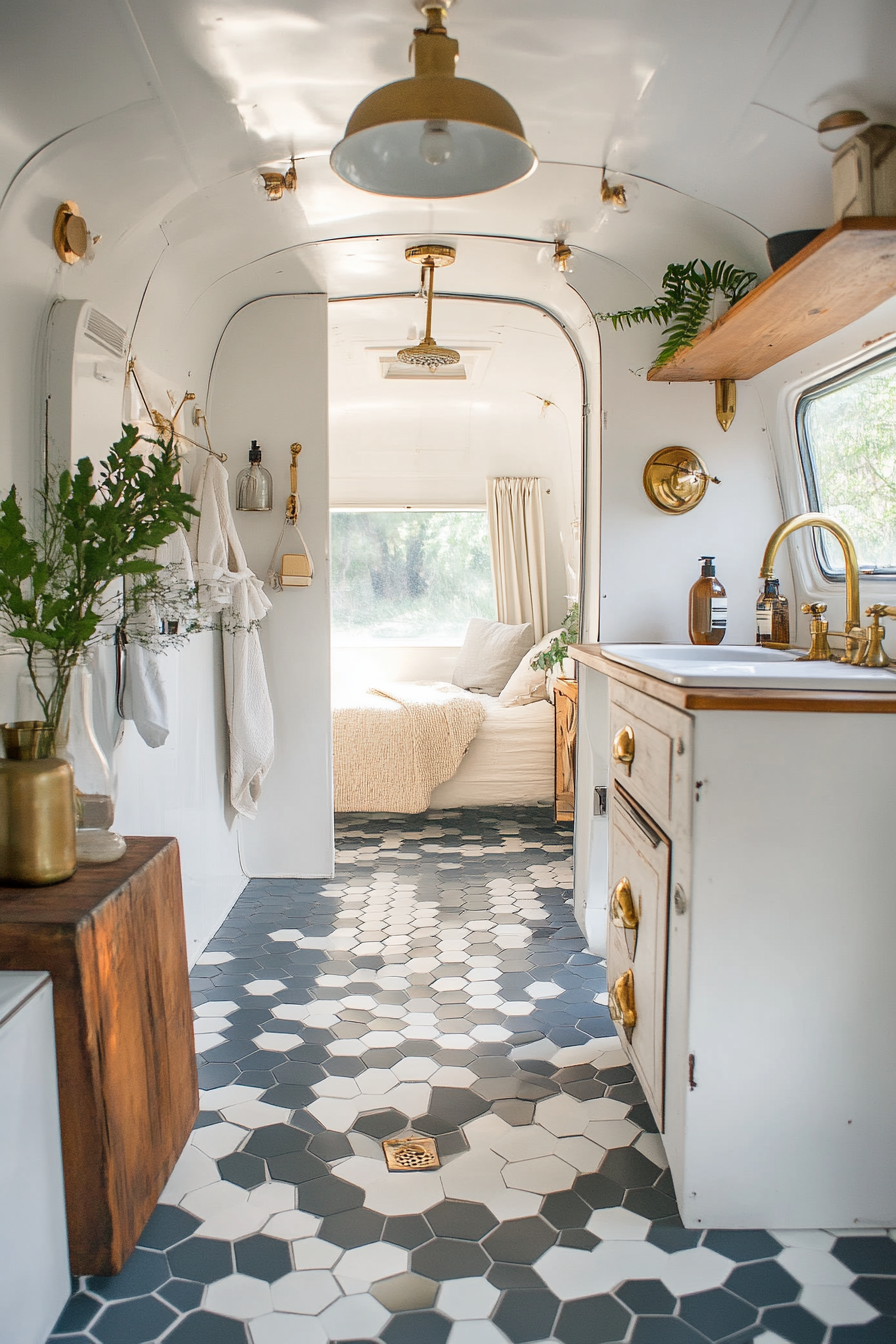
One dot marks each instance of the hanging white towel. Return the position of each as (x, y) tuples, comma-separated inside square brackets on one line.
[(143, 697), (226, 584)]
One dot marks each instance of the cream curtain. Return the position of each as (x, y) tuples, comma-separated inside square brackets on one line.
[(516, 527)]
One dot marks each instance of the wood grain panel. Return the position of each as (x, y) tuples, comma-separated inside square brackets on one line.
[(113, 940), (732, 697), (842, 274)]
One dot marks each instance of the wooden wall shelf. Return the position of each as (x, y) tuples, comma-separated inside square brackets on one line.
[(842, 274)]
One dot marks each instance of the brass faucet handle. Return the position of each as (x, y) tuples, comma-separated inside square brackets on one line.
[(820, 650), (814, 608), (879, 610), (874, 655)]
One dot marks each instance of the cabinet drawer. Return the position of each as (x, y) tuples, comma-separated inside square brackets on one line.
[(654, 737), (640, 860)]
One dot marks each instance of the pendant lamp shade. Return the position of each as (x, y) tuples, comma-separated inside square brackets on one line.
[(433, 135)]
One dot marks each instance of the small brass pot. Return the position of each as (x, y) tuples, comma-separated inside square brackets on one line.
[(37, 808)]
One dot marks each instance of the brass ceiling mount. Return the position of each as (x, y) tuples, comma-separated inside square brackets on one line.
[(275, 183), (427, 354), (675, 479), (71, 237)]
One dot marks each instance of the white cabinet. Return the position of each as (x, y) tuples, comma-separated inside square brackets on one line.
[(756, 844), (34, 1274)]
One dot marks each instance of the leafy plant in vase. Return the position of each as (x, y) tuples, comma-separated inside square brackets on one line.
[(558, 650), (83, 565)]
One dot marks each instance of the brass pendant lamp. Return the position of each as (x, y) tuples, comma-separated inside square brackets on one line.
[(434, 135), (427, 354)]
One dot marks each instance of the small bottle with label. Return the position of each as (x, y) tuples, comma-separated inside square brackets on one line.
[(772, 616), (708, 609)]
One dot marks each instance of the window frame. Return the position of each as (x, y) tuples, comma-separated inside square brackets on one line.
[(807, 466)]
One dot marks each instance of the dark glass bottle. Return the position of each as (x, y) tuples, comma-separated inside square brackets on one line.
[(708, 607), (772, 616)]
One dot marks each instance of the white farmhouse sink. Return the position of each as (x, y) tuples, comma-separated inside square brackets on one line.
[(746, 665)]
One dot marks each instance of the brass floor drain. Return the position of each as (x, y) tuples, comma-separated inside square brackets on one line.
[(411, 1153)]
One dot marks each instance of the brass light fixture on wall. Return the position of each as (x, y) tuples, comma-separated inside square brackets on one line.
[(427, 353), (433, 135), (675, 479), (274, 183), (71, 236)]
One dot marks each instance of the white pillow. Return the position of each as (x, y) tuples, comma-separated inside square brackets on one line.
[(489, 655), (528, 683)]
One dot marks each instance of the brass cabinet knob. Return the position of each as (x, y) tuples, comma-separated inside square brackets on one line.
[(622, 906), (621, 1002), (624, 746)]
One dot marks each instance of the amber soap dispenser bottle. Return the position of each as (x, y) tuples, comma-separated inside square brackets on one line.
[(708, 609)]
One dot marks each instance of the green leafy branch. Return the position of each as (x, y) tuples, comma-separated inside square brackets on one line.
[(558, 649), (96, 531), (688, 290)]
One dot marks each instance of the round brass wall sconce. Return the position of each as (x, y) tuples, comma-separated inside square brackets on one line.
[(71, 237), (675, 479)]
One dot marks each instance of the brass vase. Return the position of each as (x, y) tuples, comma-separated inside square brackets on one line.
[(37, 808)]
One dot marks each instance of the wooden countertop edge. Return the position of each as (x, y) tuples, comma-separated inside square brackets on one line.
[(726, 698)]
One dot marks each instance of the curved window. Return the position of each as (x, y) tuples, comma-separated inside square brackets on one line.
[(846, 430)]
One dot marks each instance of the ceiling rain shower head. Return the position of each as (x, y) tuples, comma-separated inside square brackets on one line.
[(427, 354)]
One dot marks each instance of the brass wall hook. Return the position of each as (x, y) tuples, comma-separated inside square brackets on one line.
[(675, 479)]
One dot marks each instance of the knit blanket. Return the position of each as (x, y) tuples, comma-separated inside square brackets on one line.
[(393, 744)]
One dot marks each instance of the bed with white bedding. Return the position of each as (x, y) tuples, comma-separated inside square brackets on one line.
[(485, 740), (509, 759)]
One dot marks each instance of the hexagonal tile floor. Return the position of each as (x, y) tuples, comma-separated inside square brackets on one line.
[(440, 984)]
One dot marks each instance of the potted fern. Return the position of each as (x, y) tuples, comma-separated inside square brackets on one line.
[(66, 580), (689, 290)]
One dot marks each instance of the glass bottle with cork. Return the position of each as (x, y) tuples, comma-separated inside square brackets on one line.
[(708, 606)]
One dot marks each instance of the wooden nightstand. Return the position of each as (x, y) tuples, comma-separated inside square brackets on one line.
[(566, 703)]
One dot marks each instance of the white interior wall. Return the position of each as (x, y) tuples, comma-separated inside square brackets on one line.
[(269, 383)]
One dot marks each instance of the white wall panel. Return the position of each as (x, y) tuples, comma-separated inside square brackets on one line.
[(269, 383)]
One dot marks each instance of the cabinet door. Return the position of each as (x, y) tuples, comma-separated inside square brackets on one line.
[(638, 915)]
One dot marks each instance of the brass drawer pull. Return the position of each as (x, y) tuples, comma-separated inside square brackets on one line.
[(622, 905), (624, 747), (624, 914), (621, 1002)]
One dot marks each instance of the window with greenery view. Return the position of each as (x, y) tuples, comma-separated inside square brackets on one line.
[(847, 438), (409, 576)]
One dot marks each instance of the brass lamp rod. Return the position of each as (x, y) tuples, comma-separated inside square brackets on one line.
[(431, 267)]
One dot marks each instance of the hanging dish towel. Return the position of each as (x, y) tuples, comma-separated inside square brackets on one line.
[(226, 584), (143, 697)]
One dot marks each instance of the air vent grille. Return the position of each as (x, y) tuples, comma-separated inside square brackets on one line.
[(105, 332)]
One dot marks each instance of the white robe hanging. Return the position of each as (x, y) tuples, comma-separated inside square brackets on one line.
[(226, 584)]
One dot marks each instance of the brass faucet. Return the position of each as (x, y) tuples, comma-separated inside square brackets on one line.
[(856, 641)]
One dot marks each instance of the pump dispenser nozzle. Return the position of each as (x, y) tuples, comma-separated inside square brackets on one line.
[(709, 569)]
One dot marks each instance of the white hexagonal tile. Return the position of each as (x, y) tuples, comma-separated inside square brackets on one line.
[(476, 1332), (562, 1115), (618, 1225), (375, 1082), (543, 989), (277, 1040), (337, 1113), (415, 1068), (347, 1046), (285, 935), (396, 1194), (580, 1153), (255, 1114), (525, 1141), (540, 1175), (480, 974), (264, 987), (216, 1098), (290, 1012), (382, 1040), (215, 1008), (238, 1296), (614, 1261), (490, 1032), (815, 1267), (314, 1253), (651, 1145), (333, 1085), (203, 1041), (331, 981), (218, 1140), (292, 1224), (612, 1133), (192, 1171), (211, 1199), (365, 1265), (467, 1299), (306, 1292), (812, 1239), (357, 1317), (568, 1273), (694, 1271), (836, 1305), (280, 1328)]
